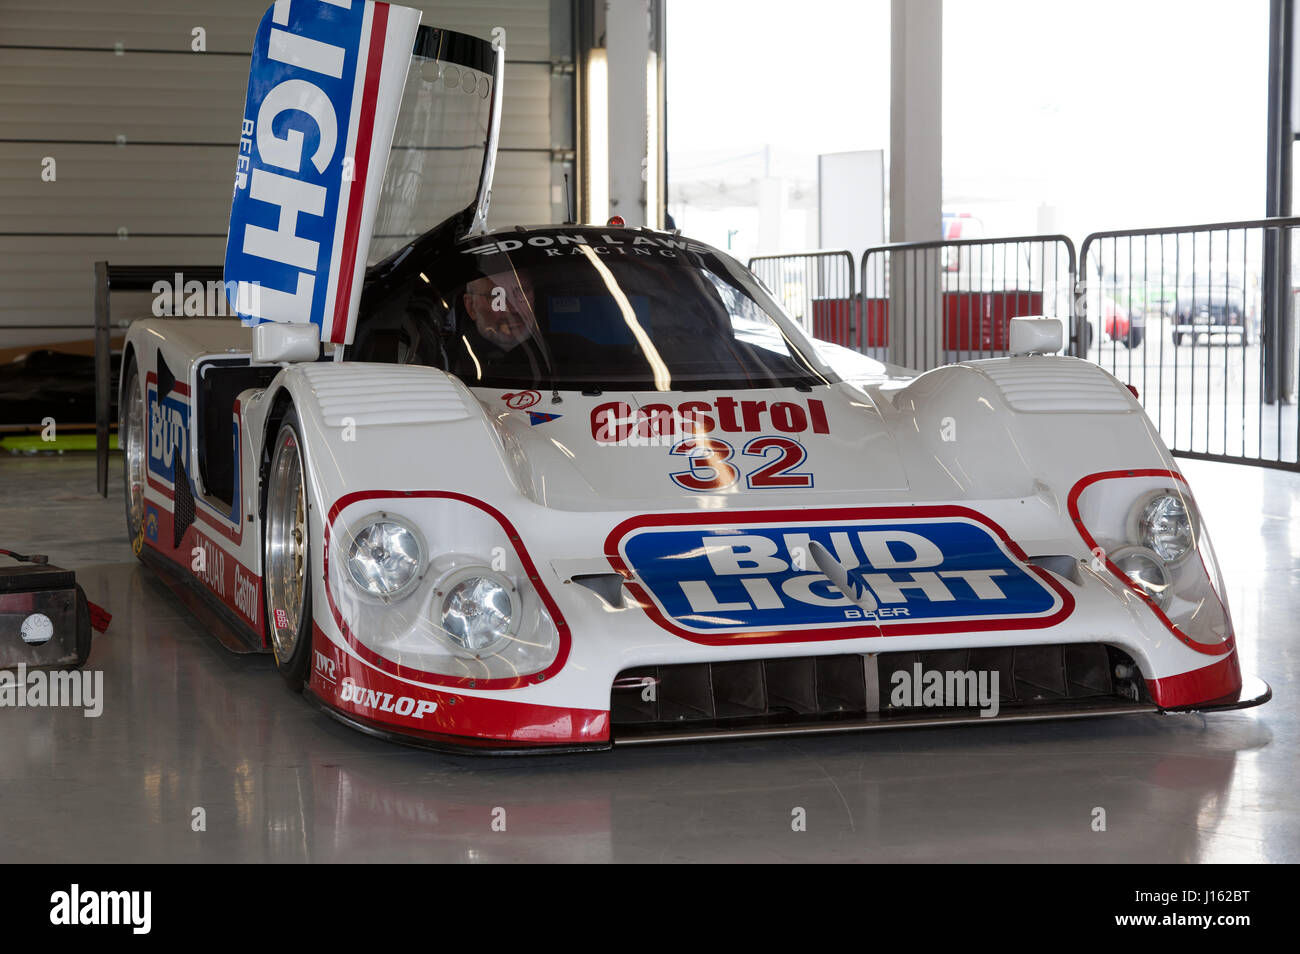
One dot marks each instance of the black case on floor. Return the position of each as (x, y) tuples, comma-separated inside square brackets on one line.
[(44, 618)]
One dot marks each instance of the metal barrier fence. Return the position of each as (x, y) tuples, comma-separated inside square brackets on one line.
[(923, 304), (930, 303), (815, 288), (1201, 320)]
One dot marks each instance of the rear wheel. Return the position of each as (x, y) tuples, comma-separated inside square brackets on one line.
[(1178, 338), (286, 559), (132, 436)]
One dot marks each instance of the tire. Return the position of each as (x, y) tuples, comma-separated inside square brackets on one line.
[(286, 555), (1178, 338), (133, 438), (1133, 338)]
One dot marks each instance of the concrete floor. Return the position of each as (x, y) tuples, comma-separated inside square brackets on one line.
[(188, 725)]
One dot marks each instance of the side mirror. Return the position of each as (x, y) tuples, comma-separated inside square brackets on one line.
[(1036, 336), (276, 341)]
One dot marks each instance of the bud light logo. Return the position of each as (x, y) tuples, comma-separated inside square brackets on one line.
[(918, 570), (168, 433), (313, 145)]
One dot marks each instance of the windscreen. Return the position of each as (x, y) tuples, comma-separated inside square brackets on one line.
[(572, 311), (440, 139)]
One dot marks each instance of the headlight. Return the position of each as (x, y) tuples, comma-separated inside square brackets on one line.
[(1153, 539), (478, 609), (1165, 526), (1146, 570), (386, 558)]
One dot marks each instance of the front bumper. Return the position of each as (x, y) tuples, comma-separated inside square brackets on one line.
[(375, 703), (572, 704)]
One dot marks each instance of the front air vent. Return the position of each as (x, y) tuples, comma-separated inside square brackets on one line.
[(1050, 384), (370, 394), (806, 692)]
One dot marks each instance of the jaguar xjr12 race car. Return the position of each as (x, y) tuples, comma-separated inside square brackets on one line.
[(559, 487)]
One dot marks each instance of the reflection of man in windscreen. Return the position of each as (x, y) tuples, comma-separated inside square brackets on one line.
[(502, 325)]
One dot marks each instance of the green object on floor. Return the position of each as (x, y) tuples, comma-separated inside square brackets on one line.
[(35, 444)]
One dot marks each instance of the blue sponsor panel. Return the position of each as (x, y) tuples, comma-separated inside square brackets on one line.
[(291, 169), (763, 577), (168, 434)]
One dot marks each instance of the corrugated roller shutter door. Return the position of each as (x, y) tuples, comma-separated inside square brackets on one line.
[(144, 140)]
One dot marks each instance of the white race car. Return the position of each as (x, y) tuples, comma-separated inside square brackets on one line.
[(556, 488)]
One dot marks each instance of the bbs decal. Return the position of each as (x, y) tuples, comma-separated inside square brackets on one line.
[(762, 578)]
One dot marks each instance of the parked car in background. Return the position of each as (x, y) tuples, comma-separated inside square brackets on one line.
[(1141, 297), (1121, 325), (1219, 304)]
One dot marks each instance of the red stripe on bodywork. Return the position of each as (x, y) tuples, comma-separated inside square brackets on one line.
[(442, 679), (361, 162), (1218, 682), (865, 630), (181, 557), (461, 720), (1210, 649)]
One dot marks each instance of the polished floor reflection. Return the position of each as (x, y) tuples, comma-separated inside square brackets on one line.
[(187, 725)]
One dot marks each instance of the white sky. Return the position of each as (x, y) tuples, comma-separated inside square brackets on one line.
[(1110, 113)]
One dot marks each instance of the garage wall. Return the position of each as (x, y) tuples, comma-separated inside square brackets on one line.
[(142, 131)]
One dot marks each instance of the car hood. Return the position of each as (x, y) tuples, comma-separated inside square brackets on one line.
[(633, 449)]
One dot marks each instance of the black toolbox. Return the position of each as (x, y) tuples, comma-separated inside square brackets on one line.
[(44, 618)]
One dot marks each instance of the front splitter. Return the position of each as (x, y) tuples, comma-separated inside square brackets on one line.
[(629, 735), (1254, 692)]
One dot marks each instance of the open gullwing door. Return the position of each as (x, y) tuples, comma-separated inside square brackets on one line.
[(361, 130)]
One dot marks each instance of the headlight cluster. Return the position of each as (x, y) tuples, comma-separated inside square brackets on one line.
[(1160, 535), (440, 588), (1150, 534)]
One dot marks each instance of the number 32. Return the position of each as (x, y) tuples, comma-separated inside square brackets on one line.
[(710, 467)]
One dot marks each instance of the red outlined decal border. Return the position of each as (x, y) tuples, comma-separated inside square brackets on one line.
[(625, 529), (1072, 504), (442, 679)]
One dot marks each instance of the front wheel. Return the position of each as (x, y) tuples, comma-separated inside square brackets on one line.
[(286, 555), (133, 437)]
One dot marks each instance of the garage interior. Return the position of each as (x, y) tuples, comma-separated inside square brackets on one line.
[(138, 120)]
